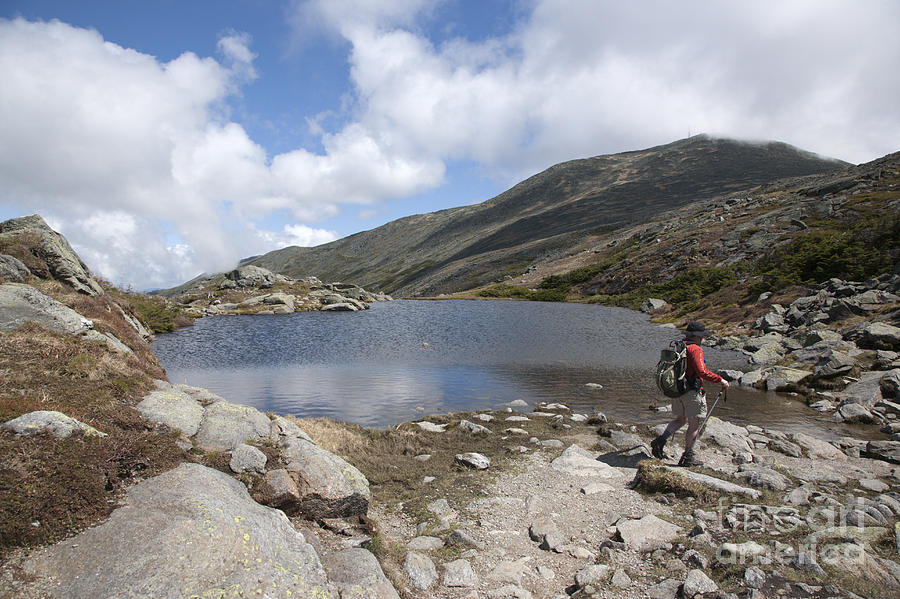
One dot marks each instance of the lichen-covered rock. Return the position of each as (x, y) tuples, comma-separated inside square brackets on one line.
[(191, 532), (420, 570), (62, 261), (55, 423), (246, 458), (20, 303), (226, 425), (12, 269), (173, 408)]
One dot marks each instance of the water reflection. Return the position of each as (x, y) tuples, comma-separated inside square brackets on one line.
[(377, 367)]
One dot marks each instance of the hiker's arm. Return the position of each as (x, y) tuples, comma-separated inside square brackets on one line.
[(697, 367)]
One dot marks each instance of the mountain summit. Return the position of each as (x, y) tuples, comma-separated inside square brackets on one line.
[(543, 217)]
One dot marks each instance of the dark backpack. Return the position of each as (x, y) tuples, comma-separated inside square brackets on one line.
[(671, 370)]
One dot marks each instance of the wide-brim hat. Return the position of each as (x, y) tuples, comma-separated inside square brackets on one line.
[(696, 329)]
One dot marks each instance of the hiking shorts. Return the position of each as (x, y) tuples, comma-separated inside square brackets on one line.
[(690, 405)]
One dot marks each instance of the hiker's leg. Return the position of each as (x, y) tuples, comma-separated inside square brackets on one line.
[(674, 426), (657, 446), (695, 407), (690, 437)]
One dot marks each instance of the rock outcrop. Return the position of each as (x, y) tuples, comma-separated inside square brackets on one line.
[(53, 250), (20, 303), (314, 482), (191, 532)]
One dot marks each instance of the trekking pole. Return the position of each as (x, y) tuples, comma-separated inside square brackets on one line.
[(709, 413)]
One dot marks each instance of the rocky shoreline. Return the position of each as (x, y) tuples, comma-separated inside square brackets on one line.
[(572, 513), (834, 345), (251, 289)]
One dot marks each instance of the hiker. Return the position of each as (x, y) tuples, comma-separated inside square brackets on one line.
[(689, 408)]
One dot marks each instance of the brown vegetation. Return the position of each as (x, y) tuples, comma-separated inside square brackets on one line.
[(50, 488)]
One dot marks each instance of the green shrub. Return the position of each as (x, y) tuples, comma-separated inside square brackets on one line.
[(863, 251), (538, 295), (159, 314)]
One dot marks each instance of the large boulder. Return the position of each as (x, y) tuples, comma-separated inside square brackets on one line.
[(51, 247), (329, 487), (783, 378), (173, 408), (880, 335), (226, 425), (834, 363), (817, 448), (20, 303), (252, 276), (12, 269), (191, 532), (866, 391), (652, 304), (887, 451)]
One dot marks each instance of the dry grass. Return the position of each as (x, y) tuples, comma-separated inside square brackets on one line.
[(388, 458), (654, 477), (50, 488)]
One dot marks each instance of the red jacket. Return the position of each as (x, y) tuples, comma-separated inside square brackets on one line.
[(696, 365)]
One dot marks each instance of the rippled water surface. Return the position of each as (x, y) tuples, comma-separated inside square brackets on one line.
[(385, 365)]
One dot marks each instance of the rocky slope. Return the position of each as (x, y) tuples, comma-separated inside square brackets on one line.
[(544, 216), (172, 491)]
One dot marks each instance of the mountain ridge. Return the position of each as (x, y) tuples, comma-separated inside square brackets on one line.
[(544, 215)]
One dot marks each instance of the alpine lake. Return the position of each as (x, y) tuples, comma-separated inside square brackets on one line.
[(404, 359)]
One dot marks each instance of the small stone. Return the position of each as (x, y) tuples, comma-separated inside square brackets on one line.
[(621, 579), (694, 559), (246, 458), (553, 541), (431, 427), (473, 460), (592, 575), (754, 577), (597, 487), (698, 583), (667, 589), (425, 543), (459, 573), (420, 570), (873, 484)]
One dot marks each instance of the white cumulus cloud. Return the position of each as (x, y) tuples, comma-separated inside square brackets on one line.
[(579, 77), (140, 166)]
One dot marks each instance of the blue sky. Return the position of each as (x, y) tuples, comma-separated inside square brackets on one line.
[(167, 138)]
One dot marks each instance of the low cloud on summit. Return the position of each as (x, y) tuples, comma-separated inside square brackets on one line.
[(141, 164)]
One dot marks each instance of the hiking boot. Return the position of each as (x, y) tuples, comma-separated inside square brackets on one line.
[(656, 448), (687, 459)]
